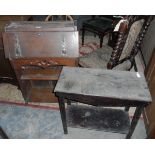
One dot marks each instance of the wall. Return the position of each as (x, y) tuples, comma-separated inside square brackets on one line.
[(79, 18), (148, 43)]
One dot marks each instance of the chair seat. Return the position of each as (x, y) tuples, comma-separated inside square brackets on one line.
[(100, 58), (100, 24), (96, 59)]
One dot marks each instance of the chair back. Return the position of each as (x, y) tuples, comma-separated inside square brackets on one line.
[(130, 35), (58, 17), (131, 38)]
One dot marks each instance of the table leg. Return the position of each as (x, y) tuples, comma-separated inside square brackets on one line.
[(134, 122), (3, 134), (63, 114)]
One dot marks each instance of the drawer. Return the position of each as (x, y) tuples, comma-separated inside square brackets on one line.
[(37, 77), (41, 74), (43, 62)]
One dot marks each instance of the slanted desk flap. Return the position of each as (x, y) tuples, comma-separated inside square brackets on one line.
[(23, 26), (61, 42)]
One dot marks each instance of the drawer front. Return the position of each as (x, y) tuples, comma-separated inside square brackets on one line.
[(43, 62), (37, 77)]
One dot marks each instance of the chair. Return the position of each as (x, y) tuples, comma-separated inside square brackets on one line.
[(101, 26), (58, 17), (122, 57)]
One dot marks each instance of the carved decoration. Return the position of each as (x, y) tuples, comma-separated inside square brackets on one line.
[(41, 63), (122, 36)]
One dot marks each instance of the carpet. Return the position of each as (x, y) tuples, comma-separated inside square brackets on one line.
[(98, 118), (43, 122), (91, 44), (24, 122)]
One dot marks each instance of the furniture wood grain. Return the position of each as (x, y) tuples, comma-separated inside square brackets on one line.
[(107, 83), (37, 51), (149, 112), (6, 72), (103, 88)]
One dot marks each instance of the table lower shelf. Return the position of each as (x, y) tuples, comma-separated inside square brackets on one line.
[(106, 119)]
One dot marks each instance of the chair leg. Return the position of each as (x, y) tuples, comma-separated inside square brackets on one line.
[(133, 64), (68, 102), (83, 33), (101, 41), (141, 53)]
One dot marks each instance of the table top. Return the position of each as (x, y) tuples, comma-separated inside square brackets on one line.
[(103, 83)]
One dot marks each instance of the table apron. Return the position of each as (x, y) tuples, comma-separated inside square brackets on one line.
[(102, 101)]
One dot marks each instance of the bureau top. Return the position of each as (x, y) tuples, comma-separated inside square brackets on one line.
[(28, 26), (104, 83)]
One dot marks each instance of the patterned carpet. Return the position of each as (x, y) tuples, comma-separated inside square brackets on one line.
[(25, 122), (21, 122)]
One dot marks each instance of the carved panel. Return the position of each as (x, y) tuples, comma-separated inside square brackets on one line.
[(40, 63)]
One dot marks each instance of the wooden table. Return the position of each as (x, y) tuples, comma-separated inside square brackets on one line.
[(3, 134), (103, 88)]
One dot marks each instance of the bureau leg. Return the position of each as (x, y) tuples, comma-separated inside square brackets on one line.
[(134, 121), (63, 114), (26, 101)]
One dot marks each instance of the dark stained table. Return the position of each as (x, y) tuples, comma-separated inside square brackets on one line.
[(3, 134), (103, 88)]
